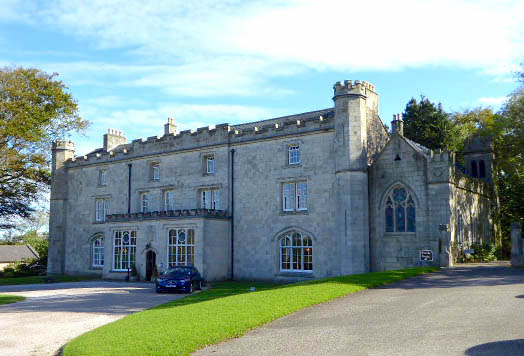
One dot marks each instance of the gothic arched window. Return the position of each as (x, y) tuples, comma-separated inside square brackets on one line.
[(296, 252), (400, 211)]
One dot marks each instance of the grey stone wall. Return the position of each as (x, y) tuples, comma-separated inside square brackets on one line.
[(394, 250)]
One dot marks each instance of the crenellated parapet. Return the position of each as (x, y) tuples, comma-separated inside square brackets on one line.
[(204, 137), (349, 87)]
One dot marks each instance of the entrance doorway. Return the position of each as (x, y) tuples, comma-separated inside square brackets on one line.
[(150, 264)]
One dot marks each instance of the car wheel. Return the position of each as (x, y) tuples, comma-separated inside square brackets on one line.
[(199, 285), (190, 289)]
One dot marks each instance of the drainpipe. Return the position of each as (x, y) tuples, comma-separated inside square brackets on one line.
[(232, 213), (129, 189)]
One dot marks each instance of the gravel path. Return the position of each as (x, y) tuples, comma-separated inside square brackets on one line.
[(53, 314), (467, 310)]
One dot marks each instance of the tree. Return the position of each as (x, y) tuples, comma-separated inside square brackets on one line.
[(35, 109), (428, 124)]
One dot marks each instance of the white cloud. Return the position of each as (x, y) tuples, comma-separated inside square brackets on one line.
[(497, 101), (213, 47)]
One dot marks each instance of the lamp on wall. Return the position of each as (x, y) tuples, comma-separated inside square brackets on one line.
[(148, 245)]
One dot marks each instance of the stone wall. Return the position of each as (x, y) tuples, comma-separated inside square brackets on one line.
[(400, 163)]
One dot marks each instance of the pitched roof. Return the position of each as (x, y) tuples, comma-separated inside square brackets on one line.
[(418, 147), (12, 253)]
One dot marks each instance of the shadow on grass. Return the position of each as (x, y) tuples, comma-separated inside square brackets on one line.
[(497, 348), (230, 288)]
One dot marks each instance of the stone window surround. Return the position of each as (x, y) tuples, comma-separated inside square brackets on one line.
[(107, 198), (102, 177), (204, 157), (151, 171), (275, 243), (140, 194), (165, 232), (382, 205), (200, 188), (112, 238), (295, 180), (91, 252), (285, 149)]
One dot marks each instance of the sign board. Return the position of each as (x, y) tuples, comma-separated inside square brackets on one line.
[(426, 255)]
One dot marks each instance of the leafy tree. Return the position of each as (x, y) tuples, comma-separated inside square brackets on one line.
[(428, 124), (35, 109)]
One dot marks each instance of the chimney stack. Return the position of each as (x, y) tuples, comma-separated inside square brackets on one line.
[(397, 125), (112, 139), (170, 127)]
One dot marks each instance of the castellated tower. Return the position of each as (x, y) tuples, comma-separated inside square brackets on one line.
[(355, 104), (61, 151)]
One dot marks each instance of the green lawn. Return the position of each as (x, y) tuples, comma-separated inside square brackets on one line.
[(8, 299), (41, 279), (227, 310)]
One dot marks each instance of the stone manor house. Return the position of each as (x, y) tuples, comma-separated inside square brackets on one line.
[(318, 194)]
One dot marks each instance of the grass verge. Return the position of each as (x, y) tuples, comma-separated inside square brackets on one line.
[(227, 310), (42, 279), (8, 299)]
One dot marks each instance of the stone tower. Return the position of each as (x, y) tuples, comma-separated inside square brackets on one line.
[(354, 105), (478, 156), (61, 151)]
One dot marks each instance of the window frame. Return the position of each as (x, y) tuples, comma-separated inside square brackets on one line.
[(155, 171), (103, 209), (215, 198), (97, 251), (409, 202), (178, 247), (210, 164), (296, 197), (102, 177), (131, 255), (171, 203), (291, 251), (293, 154), (147, 200)]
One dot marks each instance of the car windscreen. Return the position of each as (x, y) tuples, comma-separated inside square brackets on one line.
[(182, 272)]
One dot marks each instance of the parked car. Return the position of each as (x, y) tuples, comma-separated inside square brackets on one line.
[(184, 278)]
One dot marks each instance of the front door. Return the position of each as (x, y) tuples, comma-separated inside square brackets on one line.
[(150, 264)]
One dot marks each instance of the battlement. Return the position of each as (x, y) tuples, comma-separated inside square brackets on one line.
[(441, 156), (63, 145), (220, 134), (349, 87)]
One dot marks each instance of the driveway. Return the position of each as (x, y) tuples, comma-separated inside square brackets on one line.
[(467, 310), (53, 314)]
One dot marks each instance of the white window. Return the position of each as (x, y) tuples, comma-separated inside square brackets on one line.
[(98, 252), (103, 177), (294, 196), (144, 202), (210, 199), (169, 200), (124, 250), (101, 209), (155, 171), (181, 247), (293, 154), (296, 252), (210, 164)]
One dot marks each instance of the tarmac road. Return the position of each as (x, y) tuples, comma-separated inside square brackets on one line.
[(473, 310), (53, 314)]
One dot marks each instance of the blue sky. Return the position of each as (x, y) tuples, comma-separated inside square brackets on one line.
[(132, 64)]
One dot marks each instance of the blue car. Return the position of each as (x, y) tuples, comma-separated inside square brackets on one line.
[(182, 278)]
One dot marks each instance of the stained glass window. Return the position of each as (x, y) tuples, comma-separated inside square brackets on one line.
[(181, 247), (400, 211)]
